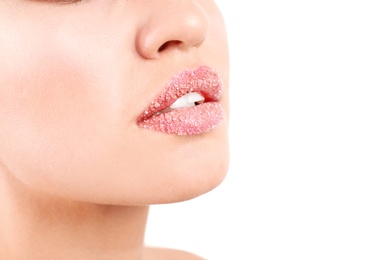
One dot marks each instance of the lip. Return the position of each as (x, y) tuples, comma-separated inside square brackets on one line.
[(192, 120)]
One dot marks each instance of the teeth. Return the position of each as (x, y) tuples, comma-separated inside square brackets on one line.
[(188, 100)]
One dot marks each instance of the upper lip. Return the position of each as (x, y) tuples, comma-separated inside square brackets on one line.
[(203, 80)]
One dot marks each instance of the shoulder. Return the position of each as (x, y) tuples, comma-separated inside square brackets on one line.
[(152, 253)]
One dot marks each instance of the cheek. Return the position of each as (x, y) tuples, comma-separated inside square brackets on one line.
[(55, 117)]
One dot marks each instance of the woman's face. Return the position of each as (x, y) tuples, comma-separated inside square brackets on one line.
[(76, 79)]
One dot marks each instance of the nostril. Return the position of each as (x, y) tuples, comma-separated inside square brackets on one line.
[(163, 47), (167, 45)]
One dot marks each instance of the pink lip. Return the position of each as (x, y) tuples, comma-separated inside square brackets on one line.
[(187, 120)]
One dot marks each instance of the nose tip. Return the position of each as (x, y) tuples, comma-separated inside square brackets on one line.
[(179, 25)]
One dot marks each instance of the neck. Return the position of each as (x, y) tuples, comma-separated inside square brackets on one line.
[(39, 226)]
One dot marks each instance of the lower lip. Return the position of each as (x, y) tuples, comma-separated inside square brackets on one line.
[(186, 121)]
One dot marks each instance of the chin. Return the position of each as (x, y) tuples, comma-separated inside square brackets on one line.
[(194, 169), (196, 181)]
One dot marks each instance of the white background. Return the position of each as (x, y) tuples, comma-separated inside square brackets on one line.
[(310, 138)]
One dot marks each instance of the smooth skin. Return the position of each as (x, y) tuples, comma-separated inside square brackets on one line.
[(76, 172)]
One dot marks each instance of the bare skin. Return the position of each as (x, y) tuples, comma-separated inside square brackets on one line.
[(43, 227), (77, 174), (169, 254)]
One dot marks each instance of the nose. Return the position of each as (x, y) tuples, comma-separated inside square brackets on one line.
[(171, 24)]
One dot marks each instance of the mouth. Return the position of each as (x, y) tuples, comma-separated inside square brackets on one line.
[(189, 104)]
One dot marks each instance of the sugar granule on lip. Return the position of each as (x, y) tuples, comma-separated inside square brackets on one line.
[(186, 118), (187, 121)]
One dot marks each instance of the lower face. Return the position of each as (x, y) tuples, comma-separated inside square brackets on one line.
[(72, 87)]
